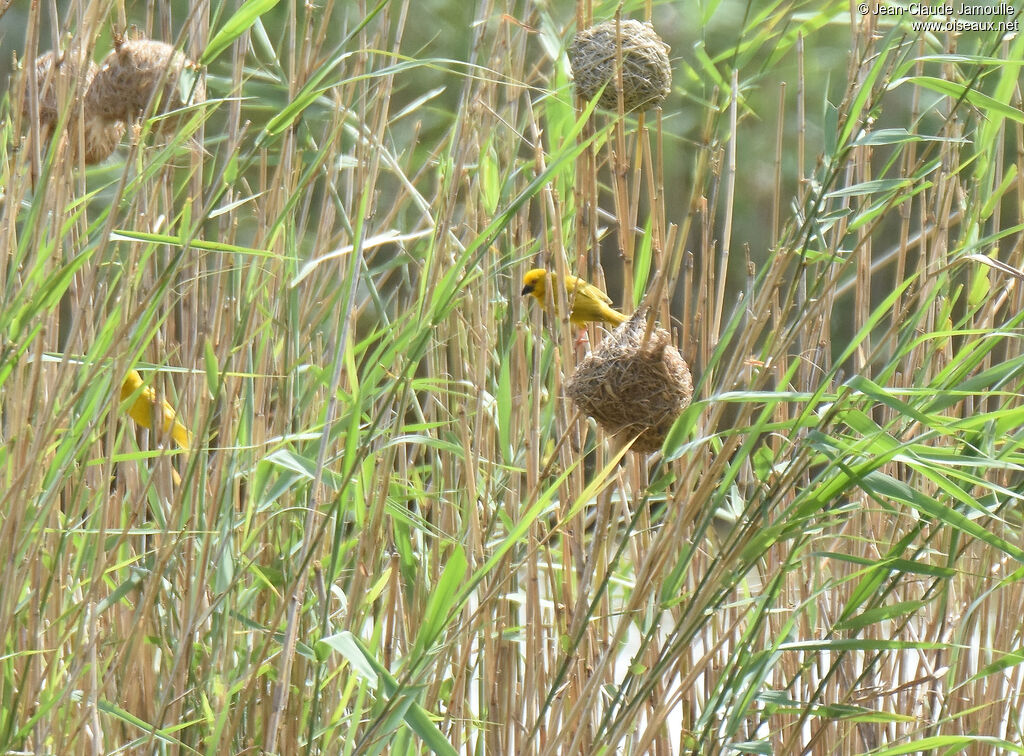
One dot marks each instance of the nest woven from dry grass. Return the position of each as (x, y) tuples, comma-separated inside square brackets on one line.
[(115, 94), (48, 69), (59, 74), (633, 388), (134, 70), (646, 73)]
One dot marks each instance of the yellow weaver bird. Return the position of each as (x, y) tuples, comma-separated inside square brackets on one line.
[(587, 303), (144, 407)]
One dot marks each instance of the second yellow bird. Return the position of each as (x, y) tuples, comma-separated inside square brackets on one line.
[(144, 407), (587, 303)]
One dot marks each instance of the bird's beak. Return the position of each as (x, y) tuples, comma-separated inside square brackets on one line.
[(528, 289)]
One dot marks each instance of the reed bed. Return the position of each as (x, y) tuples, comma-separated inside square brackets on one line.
[(392, 532)]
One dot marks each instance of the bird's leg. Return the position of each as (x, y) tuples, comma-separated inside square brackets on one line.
[(582, 339)]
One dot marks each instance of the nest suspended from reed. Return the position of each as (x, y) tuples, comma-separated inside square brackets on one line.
[(646, 73), (116, 93), (57, 75), (134, 70), (53, 73), (633, 388)]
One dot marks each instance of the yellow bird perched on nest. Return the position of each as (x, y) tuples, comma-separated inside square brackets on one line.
[(587, 303), (144, 407)]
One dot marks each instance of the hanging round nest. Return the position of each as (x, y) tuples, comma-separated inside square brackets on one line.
[(646, 73), (56, 74), (134, 70), (631, 388), (47, 69)]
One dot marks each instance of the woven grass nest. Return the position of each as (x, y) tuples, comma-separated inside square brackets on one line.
[(633, 388), (49, 69), (59, 74), (646, 73), (134, 70), (107, 97)]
